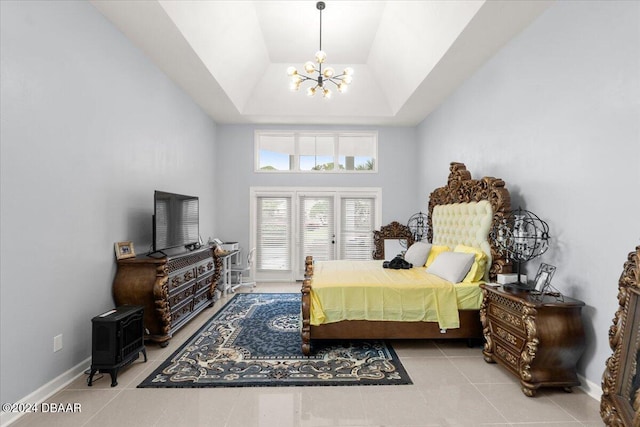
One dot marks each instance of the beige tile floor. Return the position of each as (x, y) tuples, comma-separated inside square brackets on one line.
[(453, 386)]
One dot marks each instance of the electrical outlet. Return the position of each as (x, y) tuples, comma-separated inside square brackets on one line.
[(57, 343)]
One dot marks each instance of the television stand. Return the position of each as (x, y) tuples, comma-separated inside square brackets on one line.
[(172, 289)]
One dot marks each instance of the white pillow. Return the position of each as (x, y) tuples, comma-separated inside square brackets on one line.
[(452, 266), (417, 254)]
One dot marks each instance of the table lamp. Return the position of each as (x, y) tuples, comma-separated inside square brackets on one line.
[(520, 236)]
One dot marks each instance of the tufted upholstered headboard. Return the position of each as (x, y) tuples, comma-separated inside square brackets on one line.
[(465, 210), (464, 224)]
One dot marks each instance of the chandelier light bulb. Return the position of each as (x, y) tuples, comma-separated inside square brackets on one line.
[(342, 87), (320, 56), (326, 93), (309, 67), (347, 79), (311, 91), (294, 86), (328, 72), (348, 71), (291, 71)]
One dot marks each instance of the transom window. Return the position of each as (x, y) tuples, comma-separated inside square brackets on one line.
[(321, 152)]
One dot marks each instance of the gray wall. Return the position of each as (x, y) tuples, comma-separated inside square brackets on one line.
[(556, 114), (89, 129), (235, 169)]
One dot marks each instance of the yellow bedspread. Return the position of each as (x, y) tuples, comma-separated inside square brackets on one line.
[(363, 290)]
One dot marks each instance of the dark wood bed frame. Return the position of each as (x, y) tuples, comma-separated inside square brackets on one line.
[(460, 188)]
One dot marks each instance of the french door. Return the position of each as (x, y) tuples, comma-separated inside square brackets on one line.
[(327, 223), (316, 230)]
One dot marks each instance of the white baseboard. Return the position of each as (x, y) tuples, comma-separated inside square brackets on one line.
[(592, 389), (47, 390)]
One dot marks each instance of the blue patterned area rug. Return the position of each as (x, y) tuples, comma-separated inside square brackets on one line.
[(254, 341)]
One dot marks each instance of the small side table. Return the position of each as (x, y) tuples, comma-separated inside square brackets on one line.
[(227, 259), (539, 340)]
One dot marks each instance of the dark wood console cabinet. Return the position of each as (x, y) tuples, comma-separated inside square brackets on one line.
[(538, 339), (172, 289)]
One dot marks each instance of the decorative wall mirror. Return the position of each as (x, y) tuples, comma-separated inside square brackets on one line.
[(620, 403), (392, 231)]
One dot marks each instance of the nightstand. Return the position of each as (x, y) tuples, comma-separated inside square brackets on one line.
[(538, 339)]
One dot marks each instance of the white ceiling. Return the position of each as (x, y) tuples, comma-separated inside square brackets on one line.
[(231, 57)]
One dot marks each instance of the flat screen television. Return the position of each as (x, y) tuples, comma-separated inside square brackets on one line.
[(175, 220)]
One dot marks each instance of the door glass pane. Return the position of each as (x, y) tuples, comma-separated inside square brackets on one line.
[(357, 225), (317, 229), (273, 249)]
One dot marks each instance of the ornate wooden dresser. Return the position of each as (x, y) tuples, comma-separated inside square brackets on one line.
[(538, 339), (172, 290)]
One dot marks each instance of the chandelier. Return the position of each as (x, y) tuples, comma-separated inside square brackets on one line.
[(341, 81)]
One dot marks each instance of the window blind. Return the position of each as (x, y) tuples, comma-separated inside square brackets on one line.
[(317, 228), (357, 225), (273, 251)]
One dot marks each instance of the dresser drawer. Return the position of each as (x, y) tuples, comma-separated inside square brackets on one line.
[(201, 298), (181, 277), (508, 314), (204, 282), (205, 267), (507, 355), (180, 312), (177, 296), (504, 334)]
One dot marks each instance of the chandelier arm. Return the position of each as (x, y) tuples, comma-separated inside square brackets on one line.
[(304, 77)]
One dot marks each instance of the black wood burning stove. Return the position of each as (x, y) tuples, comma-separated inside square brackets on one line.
[(118, 339)]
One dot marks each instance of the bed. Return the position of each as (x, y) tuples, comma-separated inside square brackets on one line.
[(460, 213)]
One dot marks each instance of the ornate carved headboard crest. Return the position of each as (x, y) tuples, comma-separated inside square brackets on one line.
[(461, 188)]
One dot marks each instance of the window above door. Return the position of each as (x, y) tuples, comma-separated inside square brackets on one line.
[(316, 152)]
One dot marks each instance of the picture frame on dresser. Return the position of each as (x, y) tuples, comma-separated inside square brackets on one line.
[(124, 250), (620, 402), (543, 277)]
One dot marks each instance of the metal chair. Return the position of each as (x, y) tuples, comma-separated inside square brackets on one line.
[(238, 272)]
